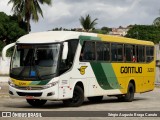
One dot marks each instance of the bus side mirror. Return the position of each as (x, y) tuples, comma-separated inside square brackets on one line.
[(65, 51), (4, 51)]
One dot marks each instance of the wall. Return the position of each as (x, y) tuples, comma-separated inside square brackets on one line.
[(157, 63), (4, 66)]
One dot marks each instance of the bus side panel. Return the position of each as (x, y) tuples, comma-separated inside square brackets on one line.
[(143, 78), (149, 76)]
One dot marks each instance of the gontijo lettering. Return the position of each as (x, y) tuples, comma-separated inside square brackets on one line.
[(125, 69)]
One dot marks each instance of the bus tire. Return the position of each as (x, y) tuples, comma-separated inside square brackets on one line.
[(77, 99), (129, 96), (36, 102), (95, 99)]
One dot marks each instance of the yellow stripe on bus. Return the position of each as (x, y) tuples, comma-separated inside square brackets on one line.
[(21, 83)]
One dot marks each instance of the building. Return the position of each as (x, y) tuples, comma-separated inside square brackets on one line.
[(121, 31)]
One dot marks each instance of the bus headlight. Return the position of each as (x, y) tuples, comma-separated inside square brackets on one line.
[(10, 82), (50, 84)]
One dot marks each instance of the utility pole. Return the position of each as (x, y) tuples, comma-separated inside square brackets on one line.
[(137, 34)]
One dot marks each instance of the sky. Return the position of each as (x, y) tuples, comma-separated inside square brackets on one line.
[(110, 13)]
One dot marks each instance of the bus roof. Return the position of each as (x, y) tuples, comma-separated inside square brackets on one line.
[(52, 36), (119, 39), (59, 36)]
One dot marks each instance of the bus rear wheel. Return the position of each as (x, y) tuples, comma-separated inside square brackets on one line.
[(129, 97), (77, 99), (95, 99), (36, 102)]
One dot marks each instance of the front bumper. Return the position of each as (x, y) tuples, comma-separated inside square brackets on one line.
[(44, 94)]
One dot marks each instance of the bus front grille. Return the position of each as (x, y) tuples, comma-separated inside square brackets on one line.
[(37, 94), (30, 88)]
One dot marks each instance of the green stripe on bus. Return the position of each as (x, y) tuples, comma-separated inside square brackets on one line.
[(35, 82), (110, 74), (100, 76), (84, 38), (44, 82), (105, 75)]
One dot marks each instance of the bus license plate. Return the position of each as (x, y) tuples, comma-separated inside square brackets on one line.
[(29, 97)]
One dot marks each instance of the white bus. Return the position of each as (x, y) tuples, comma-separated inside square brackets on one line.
[(69, 66)]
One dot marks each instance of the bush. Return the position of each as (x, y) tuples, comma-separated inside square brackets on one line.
[(2, 44)]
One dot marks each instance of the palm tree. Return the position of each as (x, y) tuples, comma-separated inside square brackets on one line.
[(87, 23), (156, 22), (28, 9)]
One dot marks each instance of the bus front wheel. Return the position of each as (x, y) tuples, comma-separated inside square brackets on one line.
[(77, 99), (36, 102)]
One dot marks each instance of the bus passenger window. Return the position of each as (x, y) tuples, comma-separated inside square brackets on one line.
[(88, 51), (106, 52), (100, 51), (117, 52), (149, 53), (67, 64), (103, 51), (129, 52), (114, 52), (134, 56), (140, 53)]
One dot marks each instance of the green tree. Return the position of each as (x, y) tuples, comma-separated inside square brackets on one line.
[(87, 23), (145, 32), (156, 22), (10, 28), (2, 44), (103, 30), (106, 30), (28, 9)]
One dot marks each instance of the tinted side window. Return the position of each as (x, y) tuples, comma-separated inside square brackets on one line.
[(116, 52), (72, 45), (149, 53), (141, 53), (66, 64), (103, 51), (128, 52), (119, 52), (88, 51)]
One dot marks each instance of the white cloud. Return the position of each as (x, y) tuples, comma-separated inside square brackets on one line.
[(5, 7), (111, 13)]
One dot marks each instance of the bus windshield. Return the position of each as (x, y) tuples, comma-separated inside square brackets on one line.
[(32, 62)]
